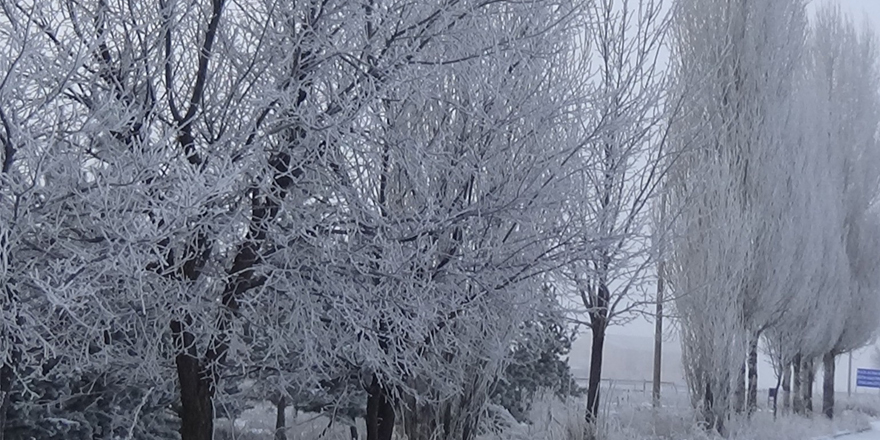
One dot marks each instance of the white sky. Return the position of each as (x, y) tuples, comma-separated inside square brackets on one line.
[(860, 10)]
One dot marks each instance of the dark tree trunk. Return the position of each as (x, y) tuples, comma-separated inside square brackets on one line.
[(807, 385), (280, 426), (752, 402), (708, 403), (797, 398), (595, 380), (6, 374), (198, 374), (776, 398), (353, 430), (828, 385), (196, 387), (380, 412), (786, 388), (196, 392), (13, 360), (712, 422)]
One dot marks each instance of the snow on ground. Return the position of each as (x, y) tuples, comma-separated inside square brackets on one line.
[(632, 418), (627, 415)]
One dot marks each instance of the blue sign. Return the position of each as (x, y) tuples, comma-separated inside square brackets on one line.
[(867, 378)]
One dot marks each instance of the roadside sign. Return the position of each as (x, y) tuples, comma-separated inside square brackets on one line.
[(868, 378)]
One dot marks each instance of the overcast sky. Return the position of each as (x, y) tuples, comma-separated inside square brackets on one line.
[(860, 9)]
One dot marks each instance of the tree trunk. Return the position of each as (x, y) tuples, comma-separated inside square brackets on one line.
[(708, 402), (6, 374), (380, 412), (739, 395), (797, 398), (712, 422), (196, 392), (786, 389), (595, 380), (8, 370), (828, 385), (196, 386), (776, 397), (421, 420), (752, 403), (280, 427), (807, 385)]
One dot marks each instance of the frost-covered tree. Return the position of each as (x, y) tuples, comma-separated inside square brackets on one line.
[(845, 72), (46, 331), (618, 170), (775, 210), (455, 187), (364, 186), (729, 192)]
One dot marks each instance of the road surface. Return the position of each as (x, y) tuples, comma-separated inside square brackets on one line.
[(873, 434)]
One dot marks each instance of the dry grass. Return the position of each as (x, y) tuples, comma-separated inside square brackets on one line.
[(631, 417)]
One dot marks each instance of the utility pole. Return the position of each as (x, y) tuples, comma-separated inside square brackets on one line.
[(658, 323), (658, 337), (849, 376)]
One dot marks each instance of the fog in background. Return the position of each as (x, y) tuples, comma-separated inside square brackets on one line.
[(629, 349)]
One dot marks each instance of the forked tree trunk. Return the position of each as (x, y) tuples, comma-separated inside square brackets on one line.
[(828, 385), (712, 422), (594, 382), (599, 310)]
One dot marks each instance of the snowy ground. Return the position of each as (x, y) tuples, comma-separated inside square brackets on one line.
[(633, 420), (627, 415)]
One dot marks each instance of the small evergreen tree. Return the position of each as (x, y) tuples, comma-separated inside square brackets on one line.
[(539, 360)]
